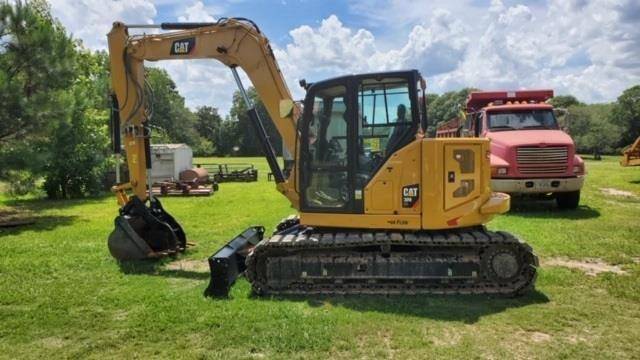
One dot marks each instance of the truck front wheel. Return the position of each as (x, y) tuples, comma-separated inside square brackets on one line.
[(568, 200)]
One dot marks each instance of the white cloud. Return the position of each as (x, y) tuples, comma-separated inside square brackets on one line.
[(333, 49), (583, 48), (197, 13), (202, 82), (91, 20), (587, 48)]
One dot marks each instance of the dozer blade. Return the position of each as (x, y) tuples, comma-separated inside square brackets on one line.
[(228, 263), (143, 232)]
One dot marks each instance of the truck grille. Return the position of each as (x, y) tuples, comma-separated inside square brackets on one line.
[(542, 160)]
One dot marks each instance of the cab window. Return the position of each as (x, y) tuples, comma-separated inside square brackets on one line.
[(384, 119)]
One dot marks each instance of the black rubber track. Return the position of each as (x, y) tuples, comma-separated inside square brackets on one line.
[(478, 244)]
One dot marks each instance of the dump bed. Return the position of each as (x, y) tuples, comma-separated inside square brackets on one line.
[(480, 99)]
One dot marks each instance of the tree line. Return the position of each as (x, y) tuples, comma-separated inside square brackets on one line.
[(55, 99)]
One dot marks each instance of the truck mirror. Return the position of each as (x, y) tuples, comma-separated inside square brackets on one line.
[(560, 112)]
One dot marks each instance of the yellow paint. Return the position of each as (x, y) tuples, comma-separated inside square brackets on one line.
[(440, 210), (425, 162), (366, 221), (381, 197), (461, 181), (400, 170)]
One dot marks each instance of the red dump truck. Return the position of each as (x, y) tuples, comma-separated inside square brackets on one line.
[(530, 154)]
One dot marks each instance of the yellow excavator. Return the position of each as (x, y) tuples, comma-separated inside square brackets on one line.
[(381, 208)]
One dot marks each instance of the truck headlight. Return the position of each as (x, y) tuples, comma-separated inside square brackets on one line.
[(577, 169), (499, 171)]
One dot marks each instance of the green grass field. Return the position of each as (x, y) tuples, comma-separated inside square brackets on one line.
[(62, 295)]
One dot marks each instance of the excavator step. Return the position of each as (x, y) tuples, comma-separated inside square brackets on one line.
[(464, 261)]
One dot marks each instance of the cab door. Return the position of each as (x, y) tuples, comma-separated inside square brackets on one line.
[(326, 149), (351, 126)]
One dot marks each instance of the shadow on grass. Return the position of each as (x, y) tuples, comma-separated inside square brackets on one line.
[(464, 308), (635, 181), (158, 268), (39, 204), (541, 208), (38, 223)]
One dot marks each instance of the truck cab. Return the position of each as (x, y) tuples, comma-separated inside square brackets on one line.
[(530, 154)]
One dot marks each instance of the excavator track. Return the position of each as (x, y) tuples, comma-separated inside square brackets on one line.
[(302, 261)]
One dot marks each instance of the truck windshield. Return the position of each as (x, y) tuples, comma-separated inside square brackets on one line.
[(526, 119)]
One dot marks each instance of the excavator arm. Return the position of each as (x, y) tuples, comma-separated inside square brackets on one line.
[(235, 43), (144, 229)]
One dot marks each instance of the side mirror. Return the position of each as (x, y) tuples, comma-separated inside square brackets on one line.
[(560, 112)]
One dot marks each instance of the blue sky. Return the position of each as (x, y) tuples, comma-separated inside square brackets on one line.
[(276, 18), (587, 48)]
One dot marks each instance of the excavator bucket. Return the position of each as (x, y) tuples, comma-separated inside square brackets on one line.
[(143, 232)]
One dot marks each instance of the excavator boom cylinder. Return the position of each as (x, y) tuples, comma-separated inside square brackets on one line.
[(267, 146)]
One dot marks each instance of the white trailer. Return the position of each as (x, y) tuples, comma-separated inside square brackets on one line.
[(169, 160)]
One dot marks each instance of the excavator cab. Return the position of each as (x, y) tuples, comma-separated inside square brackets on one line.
[(351, 125)]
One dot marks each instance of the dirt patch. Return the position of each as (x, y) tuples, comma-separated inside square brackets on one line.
[(618, 192), (120, 315), (53, 342), (590, 267), (574, 339), (538, 337), (532, 336), (189, 265), (447, 338)]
